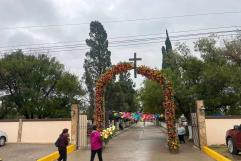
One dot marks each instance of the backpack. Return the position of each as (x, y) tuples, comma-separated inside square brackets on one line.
[(57, 143)]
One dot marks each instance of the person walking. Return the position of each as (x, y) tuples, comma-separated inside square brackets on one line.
[(96, 144), (62, 143), (181, 132)]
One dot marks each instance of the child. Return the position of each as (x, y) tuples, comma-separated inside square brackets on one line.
[(181, 132)]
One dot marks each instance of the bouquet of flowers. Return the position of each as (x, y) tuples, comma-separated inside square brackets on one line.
[(108, 133), (173, 146)]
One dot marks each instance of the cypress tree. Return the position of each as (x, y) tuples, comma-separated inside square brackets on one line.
[(97, 60), (166, 51), (168, 43)]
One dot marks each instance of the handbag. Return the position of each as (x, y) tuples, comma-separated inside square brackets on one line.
[(57, 143)]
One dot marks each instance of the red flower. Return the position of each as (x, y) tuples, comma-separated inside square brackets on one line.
[(151, 74)]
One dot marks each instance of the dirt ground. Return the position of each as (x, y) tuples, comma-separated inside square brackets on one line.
[(25, 152), (222, 149)]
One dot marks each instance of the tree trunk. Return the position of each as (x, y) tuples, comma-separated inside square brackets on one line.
[(26, 116)]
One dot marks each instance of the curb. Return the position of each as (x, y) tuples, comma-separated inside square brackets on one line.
[(213, 154), (55, 155)]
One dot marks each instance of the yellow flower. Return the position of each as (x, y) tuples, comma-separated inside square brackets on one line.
[(113, 128), (105, 136)]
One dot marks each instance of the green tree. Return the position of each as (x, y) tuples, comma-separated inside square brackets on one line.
[(122, 95), (168, 43), (214, 78), (219, 86), (127, 87), (186, 84), (232, 51), (116, 97), (166, 52), (33, 84), (184, 71), (151, 96), (97, 60)]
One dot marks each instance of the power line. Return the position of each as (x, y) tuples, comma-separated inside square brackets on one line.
[(159, 38), (155, 42), (118, 37), (119, 21), (77, 48)]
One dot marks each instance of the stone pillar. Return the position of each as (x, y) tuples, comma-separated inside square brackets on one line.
[(74, 123), (201, 123), (20, 127)]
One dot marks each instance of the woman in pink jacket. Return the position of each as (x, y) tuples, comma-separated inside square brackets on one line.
[(96, 144)]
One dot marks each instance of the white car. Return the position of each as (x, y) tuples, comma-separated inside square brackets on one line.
[(3, 138)]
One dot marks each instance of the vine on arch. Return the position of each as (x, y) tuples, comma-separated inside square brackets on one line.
[(151, 74)]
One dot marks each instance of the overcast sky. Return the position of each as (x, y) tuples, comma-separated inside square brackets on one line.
[(17, 13)]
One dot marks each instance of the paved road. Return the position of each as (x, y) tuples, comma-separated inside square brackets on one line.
[(142, 144), (25, 152)]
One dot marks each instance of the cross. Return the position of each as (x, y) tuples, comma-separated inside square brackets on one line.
[(135, 59)]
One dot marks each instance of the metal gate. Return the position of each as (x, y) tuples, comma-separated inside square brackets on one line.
[(195, 130), (82, 132)]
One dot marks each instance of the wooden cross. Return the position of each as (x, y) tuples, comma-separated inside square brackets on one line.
[(135, 59)]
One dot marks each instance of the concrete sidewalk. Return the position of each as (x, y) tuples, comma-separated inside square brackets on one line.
[(25, 152), (142, 144)]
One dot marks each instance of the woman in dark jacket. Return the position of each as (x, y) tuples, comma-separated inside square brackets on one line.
[(63, 142)]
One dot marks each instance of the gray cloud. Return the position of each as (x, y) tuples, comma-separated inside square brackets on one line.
[(42, 12), (27, 12)]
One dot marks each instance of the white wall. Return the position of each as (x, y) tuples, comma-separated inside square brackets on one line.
[(216, 128), (11, 128), (43, 131), (40, 131)]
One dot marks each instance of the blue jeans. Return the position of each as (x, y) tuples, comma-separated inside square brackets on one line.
[(62, 154)]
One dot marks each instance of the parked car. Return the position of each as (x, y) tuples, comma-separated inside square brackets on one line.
[(3, 138), (233, 139)]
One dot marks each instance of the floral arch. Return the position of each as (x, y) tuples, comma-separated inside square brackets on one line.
[(151, 74)]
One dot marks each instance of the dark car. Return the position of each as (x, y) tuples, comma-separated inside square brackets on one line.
[(233, 139)]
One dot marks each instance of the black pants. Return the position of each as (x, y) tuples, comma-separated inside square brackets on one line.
[(181, 138), (62, 154), (93, 152)]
